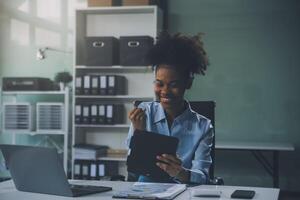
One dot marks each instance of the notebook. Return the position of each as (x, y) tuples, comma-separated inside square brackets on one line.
[(40, 170), (141, 190), (144, 147)]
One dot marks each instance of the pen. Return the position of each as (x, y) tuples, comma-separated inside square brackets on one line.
[(136, 103), (132, 196), (193, 170)]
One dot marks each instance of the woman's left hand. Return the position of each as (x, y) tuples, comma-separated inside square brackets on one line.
[(170, 164)]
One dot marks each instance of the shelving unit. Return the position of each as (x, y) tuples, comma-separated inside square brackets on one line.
[(116, 22), (15, 96)]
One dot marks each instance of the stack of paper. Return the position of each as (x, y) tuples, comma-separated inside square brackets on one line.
[(117, 153), (89, 151), (141, 190)]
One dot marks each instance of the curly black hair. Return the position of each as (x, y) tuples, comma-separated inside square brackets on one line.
[(184, 53)]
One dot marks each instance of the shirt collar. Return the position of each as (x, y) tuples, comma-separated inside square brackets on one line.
[(160, 113), (186, 113)]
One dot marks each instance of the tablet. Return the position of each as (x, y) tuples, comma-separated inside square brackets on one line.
[(144, 147)]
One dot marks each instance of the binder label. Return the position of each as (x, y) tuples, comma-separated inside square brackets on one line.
[(94, 110), (77, 169), (94, 82), (86, 111), (103, 82), (78, 82), (101, 110), (77, 110), (101, 169), (86, 82), (109, 110), (85, 170), (93, 172), (111, 81)]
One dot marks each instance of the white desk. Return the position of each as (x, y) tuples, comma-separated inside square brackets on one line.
[(257, 150), (8, 192)]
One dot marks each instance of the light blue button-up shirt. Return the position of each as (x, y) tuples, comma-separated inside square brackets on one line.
[(195, 134)]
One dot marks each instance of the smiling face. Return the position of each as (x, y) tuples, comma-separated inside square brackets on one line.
[(169, 87)]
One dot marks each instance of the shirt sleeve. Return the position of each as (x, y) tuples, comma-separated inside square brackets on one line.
[(131, 129), (130, 133), (202, 159)]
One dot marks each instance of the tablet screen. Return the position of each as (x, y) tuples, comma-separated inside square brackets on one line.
[(145, 146)]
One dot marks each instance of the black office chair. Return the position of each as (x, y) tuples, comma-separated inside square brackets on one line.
[(207, 109)]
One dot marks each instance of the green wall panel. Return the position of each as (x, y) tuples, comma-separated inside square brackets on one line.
[(253, 47)]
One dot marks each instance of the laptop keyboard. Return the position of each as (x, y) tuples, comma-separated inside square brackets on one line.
[(83, 187), (90, 188)]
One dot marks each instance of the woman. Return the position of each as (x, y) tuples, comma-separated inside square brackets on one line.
[(176, 58)]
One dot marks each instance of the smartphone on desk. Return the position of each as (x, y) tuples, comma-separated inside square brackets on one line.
[(243, 194)]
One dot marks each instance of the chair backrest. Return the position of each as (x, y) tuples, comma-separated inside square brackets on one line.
[(207, 109)]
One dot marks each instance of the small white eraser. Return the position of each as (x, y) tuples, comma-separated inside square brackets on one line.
[(206, 193)]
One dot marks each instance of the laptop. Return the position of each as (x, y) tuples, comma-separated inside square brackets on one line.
[(40, 170)]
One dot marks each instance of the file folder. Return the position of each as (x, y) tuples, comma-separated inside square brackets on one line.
[(111, 168), (107, 168), (86, 84), (78, 85), (109, 114), (85, 114), (93, 170), (77, 169), (103, 85), (85, 170), (94, 85), (114, 113), (116, 85), (101, 114), (78, 114), (101, 169), (94, 114)]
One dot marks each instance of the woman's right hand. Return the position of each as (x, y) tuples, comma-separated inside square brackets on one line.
[(138, 118)]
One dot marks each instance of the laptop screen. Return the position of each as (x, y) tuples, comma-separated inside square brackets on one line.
[(36, 169)]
